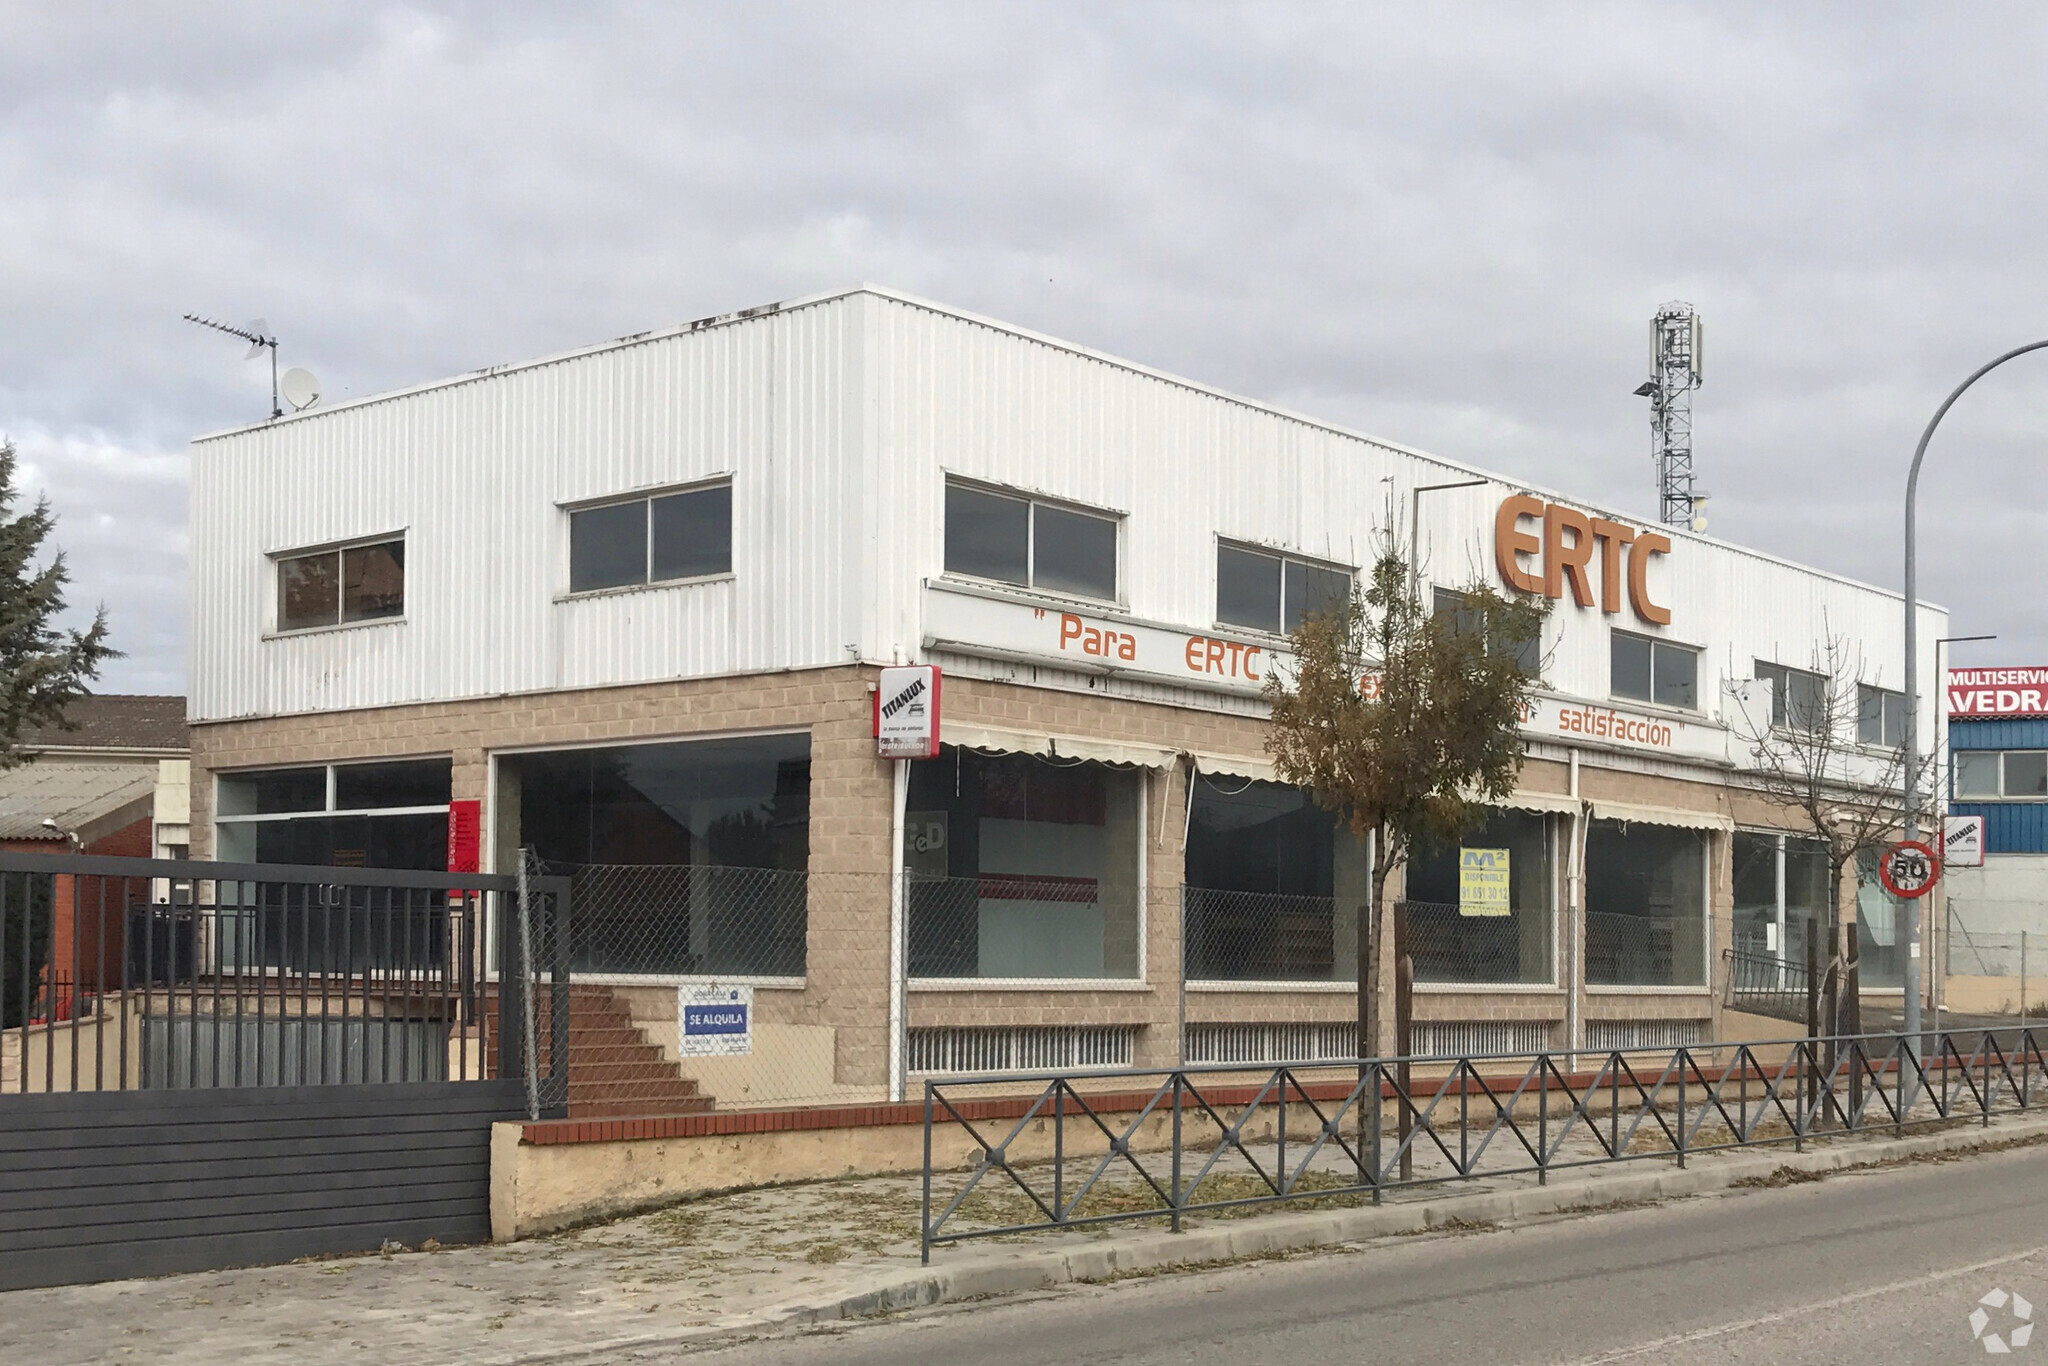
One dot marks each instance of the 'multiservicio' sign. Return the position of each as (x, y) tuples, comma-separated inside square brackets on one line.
[(1997, 692), (907, 713)]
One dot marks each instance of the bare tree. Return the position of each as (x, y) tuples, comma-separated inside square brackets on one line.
[(1810, 760), (1406, 722)]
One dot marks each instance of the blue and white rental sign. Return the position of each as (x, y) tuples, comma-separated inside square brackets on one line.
[(715, 1021)]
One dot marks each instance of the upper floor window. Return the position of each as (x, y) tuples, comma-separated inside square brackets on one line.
[(1990, 773), (1033, 544), (1650, 670), (1880, 716), (1799, 697), (346, 584), (656, 539), (1527, 651), (1266, 592)]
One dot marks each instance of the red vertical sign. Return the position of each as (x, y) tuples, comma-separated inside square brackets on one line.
[(465, 836)]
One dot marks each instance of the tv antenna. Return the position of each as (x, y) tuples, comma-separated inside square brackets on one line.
[(257, 333)]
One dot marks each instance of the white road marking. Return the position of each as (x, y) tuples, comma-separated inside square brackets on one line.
[(1799, 1311)]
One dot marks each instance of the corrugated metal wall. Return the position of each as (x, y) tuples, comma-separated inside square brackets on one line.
[(837, 420)]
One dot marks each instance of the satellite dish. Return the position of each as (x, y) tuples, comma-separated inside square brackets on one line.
[(300, 388), (1699, 524), (259, 331)]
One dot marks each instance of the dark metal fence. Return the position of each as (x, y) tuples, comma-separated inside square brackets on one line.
[(1093, 1148), (138, 974), (1765, 984)]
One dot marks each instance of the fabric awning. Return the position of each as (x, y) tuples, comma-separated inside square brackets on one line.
[(1540, 801), (1260, 769), (997, 741), (1660, 815)]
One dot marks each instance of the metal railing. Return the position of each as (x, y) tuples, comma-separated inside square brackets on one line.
[(1765, 984), (1084, 1149), (127, 974)]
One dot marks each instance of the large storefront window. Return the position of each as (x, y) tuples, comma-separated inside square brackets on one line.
[(686, 858), (1880, 923), (1458, 933), (1025, 867), (1646, 905), (1768, 925), (1274, 885), (376, 815)]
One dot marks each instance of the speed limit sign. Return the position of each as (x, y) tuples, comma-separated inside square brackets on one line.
[(1908, 869)]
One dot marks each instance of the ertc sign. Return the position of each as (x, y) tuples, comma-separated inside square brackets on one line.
[(907, 713), (715, 1021), (1962, 842), (1566, 548), (1908, 869)]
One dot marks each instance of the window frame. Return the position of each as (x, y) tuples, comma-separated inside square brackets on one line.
[(327, 807), (1437, 607), (1956, 792), (1884, 696), (339, 551), (1281, 559), (647, 499), (1781, 708), (1032, 502), (1655, 643)]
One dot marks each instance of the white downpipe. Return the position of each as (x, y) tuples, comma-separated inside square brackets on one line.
[(1575, 917), (898, 941)]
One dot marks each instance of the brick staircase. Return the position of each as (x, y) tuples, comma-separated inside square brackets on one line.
[(614, 1072)]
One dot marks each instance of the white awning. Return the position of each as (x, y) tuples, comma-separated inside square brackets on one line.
[(1539, 801), (1260, 769), (1660, 815), (1054, 746)]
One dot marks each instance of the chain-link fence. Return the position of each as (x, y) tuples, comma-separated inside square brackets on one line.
[(1992, 963)]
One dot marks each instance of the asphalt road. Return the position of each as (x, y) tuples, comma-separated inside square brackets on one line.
[(1880, 1267)]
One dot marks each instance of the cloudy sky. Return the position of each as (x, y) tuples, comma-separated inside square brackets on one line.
[(1444, 225)]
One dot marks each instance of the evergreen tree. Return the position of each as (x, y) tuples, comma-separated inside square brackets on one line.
[(43, 667)]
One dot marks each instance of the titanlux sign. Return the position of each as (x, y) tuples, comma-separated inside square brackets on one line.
[(907, 713), (1565, 548)]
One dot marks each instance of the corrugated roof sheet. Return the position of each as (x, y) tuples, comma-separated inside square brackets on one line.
[(73, 793), (118, 721)]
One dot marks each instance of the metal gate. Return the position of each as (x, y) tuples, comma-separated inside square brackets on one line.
[(205, 1064)]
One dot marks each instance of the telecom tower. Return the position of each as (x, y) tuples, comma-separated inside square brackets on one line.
[(1676, 340)]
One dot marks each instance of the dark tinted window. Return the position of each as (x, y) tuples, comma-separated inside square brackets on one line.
[(2026, 774), (308, 591), (987, 535), (1074, 553), (607, 547), (373, 581), (1247, 589), (1310, 589), (273, 792), (692, 534), (1631, 667), (1676, 670), (359, 787)]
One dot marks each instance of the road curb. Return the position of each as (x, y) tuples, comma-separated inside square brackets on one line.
[(1021, 1271)]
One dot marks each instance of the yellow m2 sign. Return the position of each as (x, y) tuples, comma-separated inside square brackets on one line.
[(1482, 882)]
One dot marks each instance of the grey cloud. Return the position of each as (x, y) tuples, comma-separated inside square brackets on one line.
[(1445, 226)]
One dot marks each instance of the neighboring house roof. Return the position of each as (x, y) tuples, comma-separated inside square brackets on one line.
[(118, 721), (84, 798)]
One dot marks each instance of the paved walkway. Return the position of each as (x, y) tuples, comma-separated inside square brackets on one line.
[(756, 1260)]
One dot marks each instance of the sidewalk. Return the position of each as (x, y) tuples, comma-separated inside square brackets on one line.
[(762, 1259)]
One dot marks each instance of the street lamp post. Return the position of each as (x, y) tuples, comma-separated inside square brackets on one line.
[(1912, 909)]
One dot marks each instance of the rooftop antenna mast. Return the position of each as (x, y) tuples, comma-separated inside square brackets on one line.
[(257, 333), (1677, 339)]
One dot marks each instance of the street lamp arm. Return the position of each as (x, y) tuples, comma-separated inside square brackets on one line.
[(1912, 680)]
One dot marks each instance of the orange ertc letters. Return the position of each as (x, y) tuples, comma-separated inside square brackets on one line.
[(1229, 658), (1567, 546)]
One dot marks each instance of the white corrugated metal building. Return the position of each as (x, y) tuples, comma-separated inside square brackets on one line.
[(716, 534)]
